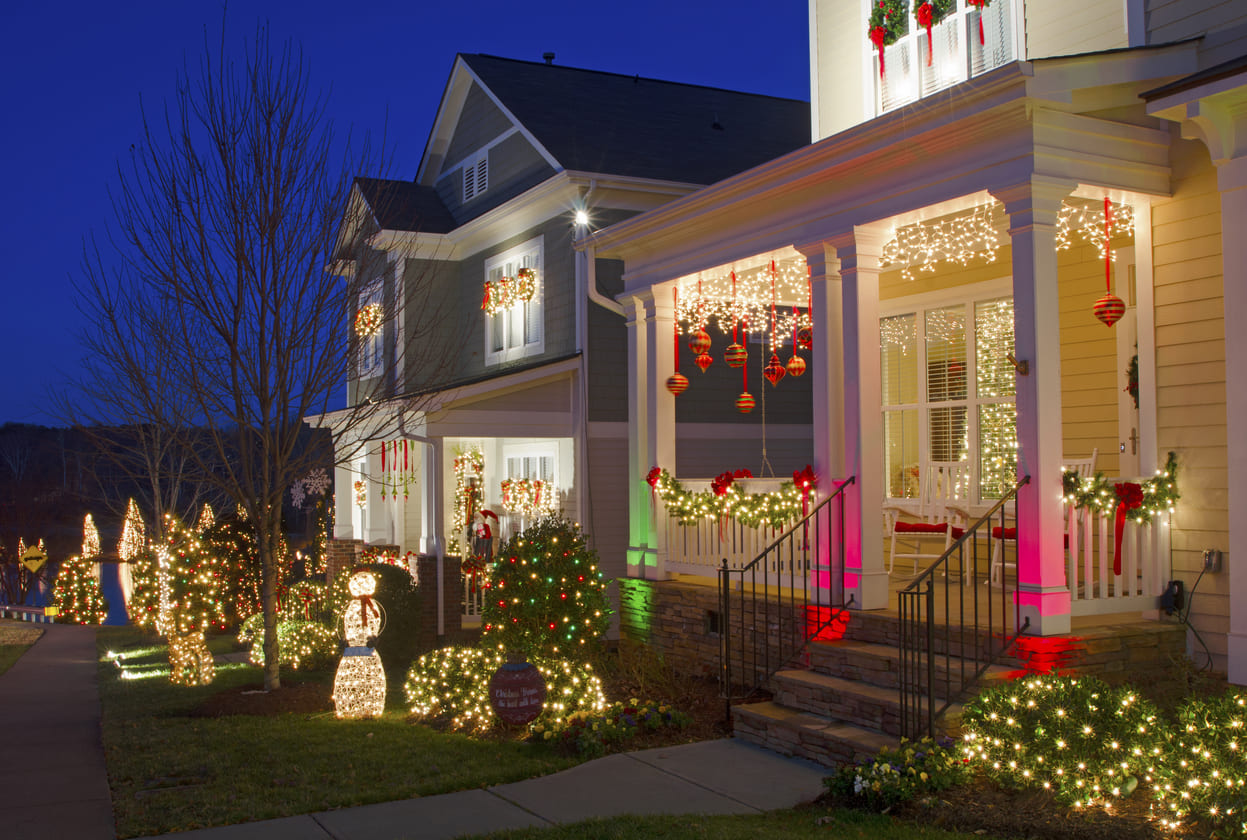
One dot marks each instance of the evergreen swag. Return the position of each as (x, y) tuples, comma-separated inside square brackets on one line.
[(1142, 501), (548, 594), (888, 22)]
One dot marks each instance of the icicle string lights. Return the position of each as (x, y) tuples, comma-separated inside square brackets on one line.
[(743, 295), (1091, 224)]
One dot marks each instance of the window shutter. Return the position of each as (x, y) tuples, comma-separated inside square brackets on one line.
[(534, 309), (482, 174), (469, 183)]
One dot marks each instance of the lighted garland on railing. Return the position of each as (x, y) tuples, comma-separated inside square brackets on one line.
[(529, 496), (508, 291), (725, 499), (1141, 501)]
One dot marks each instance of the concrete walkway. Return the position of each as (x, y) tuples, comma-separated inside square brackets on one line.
[(52, 774), (55, 784)]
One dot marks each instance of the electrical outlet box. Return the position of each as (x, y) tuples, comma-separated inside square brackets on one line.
[(1212, 560)]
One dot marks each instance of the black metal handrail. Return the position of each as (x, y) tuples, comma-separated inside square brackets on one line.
[(960, 645), (771, 603)]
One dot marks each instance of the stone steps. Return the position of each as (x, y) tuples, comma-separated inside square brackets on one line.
[(879, 665), (815, 737)]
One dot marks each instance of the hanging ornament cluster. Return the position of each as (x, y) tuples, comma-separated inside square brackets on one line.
[(368, 320), (1109, 308), (398, 469), (508, 291), (888, 22)]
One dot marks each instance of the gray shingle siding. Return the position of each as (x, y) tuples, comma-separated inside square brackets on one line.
[(480, 121)]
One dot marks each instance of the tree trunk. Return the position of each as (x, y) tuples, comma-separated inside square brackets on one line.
[(269, 545)]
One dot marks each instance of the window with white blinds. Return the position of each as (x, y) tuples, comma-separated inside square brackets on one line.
[(475, 177), (948, 394), (536, 467), (957, 51), (519, 330)]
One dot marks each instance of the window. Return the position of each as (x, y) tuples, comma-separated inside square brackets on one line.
[(534, 462), (475, 176), (371, 345), (948, 394), (956, 53), (519, 330)]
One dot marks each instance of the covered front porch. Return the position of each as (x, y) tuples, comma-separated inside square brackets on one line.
[(957, 253)]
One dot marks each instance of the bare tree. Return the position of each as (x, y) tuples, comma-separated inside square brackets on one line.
[(224, 310)]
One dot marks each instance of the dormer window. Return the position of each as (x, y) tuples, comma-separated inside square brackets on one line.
[(475, 176), (968, 41)]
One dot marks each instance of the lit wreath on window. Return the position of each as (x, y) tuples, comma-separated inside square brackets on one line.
[(508, 291), (368, 320), (528, 496)]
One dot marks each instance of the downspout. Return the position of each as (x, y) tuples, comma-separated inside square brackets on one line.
[(440, 551)]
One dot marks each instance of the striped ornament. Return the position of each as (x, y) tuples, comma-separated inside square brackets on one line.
[(744, 403), (796, 365), (735, 355), (677, 383), (1109, 309)]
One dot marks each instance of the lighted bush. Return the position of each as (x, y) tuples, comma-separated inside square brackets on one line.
[(451, 685), (303, 645), (589, 734), (915, 769), (144, 604), (76, 593), (1206, 774), (309, 600), (1075, 736), (548, 595)]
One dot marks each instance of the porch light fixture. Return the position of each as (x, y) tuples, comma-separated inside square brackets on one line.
[(582, 218)]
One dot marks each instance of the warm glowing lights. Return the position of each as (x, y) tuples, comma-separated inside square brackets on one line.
[(90, 538), (958, 239), (529, 496), (133, 534), (741, 301), (469, 469), (506, 292), (1086, 221), (774, 508), (368, 320), (359, 684)]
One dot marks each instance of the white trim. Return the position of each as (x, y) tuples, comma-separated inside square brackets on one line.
[(515, 318)]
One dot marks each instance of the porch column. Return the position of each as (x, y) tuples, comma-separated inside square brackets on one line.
[(660, 407), (343, 501), (858, 271), (1232, 181), (432, 503), (378, 526), (1043, 595), (828, 387), (643, 556)]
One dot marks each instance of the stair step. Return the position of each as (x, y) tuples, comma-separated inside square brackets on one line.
[(879, 664), (821, 739), (862, 704)]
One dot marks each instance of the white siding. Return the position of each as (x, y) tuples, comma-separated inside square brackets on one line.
[(1069, 27)]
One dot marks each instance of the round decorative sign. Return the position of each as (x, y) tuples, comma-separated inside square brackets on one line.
[(517, 693)]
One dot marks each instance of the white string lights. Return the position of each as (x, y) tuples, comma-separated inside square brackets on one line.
[(742, 300), (1085, 221), (955, 239)]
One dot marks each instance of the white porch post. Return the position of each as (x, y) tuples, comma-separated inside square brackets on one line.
[(1043, 595), (1232, 181), (828, 388), (343, 502), (660, 408), (378, 523), (642, 545), (432, 474), (858, 254)]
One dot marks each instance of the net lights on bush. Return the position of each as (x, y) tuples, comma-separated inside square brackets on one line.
[(359, 684), (506, 292), (1206, 772)]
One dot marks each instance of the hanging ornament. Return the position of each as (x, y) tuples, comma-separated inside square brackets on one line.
[(887, 24), (703, 361), (796, 365), (981, 5), (1109, 308), (805, 338), (699, 343), (677, 382), (774, 370), (735, 355), (744, 403)]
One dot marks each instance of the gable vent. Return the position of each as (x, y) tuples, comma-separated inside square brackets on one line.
[(475, 177)]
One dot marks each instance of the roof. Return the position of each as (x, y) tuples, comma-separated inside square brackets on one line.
[(1225, 70), (405, 205), (591, 121)]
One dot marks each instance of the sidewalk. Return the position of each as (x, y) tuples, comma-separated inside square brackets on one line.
[(55, 784), (53, 776), (710, 777)]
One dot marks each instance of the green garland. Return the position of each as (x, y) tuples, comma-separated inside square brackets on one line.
[(891, 17), (776, 508), (1159, 494)]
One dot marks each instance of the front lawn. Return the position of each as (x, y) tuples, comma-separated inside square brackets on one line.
[(16, 637), (170, 768)]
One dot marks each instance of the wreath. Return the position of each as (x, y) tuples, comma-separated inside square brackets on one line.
[(928, 13), (888, 22), (1132, 379)]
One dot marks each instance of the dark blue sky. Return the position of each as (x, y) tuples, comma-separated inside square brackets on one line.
[(73, 74)]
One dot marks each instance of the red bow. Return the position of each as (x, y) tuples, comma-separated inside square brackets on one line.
[(654, 475), (721, 483), (924, 15), (1130, 497), (877, 36), (742, 474), (805, 480), (366, 604)]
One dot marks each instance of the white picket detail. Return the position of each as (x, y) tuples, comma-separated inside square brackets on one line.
[(1145, 563), (474, 595), (699, 548)]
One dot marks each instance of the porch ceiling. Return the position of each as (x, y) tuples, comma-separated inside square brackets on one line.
[(936, 157)]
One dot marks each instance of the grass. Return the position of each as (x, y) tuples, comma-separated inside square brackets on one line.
[(796, 824), (171, 771), (16, 637)]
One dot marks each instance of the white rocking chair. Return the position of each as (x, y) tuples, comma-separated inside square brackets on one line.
[(944, 492)]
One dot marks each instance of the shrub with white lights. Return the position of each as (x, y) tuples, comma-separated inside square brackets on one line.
[(547, 595), (1075, 736), (451, 686), (1206, 773), (303, 645)]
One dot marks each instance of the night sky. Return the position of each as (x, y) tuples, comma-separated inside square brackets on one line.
[(73, 74)]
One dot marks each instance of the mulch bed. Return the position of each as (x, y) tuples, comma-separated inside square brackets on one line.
[(303, 698)]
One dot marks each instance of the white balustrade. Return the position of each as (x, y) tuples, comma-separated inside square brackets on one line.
[(1095, 589)]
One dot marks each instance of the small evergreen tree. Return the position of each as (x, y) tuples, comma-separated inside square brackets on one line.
[(76, 593), (547, 594)]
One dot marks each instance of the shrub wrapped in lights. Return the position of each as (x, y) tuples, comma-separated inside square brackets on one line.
[(76, 593), (1206, 774), (1075, 736), (548, 595), (303, 645), (192, 581), (359, 684), (451, 686)]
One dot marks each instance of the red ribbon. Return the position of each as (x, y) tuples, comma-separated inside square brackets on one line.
[(980, 5), (365, 604), (924, 19), (877, 36), (1130, 496)]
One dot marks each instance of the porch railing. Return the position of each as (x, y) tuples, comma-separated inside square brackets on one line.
[(474, 590), (699, 548), (1095, 589), (947, 638), (790, 593)]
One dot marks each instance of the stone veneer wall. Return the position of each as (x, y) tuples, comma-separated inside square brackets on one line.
[(671, 617)]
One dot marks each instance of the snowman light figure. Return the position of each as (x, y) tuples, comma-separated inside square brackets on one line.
[(359, 685)]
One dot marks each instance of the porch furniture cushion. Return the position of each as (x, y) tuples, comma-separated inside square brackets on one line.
[(999, 533), (921, 527)]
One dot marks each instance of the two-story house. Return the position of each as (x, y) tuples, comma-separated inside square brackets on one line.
[(503, 368), (972, 194)]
